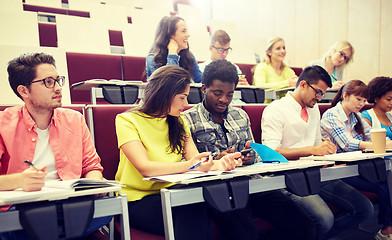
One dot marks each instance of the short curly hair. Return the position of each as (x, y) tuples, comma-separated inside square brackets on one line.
[(222, 70), (379, 86)]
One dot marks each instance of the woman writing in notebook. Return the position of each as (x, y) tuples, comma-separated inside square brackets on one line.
[(335, 60), (171, 48), (381, 95), (153, 140), (343, 126)]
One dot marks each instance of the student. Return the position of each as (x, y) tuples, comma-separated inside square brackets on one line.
[(220, 48), (220, 128), (152, 140), (56, 140), (381, 95), (272, 72), (335, 60), (291, 126), (171, 48), (343, 125)]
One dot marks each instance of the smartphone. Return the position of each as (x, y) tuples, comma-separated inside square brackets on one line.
[(246, 151)]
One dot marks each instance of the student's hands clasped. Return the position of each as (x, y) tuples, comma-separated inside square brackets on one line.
[(324, 148), (32, 180)]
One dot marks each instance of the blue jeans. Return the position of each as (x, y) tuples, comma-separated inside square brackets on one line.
[(385, 208), (95, 224), (354, 206)]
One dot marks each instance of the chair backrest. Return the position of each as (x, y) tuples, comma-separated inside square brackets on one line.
[(297, 70), (255, 112), (84, 66), (247, 70), (103, 129)]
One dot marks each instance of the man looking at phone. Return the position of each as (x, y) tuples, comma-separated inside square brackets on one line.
[(216, 126), (219, 128), (220, 48)]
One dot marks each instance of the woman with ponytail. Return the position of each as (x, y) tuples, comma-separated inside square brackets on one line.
[(343, 125)]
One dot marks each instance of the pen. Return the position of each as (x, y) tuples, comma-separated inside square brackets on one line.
[(196, 165), (31, 165)]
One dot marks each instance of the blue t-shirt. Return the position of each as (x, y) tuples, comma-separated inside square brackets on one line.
[(365, 114)]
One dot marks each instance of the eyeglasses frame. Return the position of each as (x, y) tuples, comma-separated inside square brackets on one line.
[(222, 50), (318, 92), (55, 80)]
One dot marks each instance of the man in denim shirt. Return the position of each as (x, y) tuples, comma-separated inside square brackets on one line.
[(216, 126)]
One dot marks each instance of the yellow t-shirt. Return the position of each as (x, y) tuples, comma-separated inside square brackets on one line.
[(153, 133), (265, 76)]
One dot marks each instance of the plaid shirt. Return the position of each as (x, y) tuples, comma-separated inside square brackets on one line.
[(209, 136), (336, 127)]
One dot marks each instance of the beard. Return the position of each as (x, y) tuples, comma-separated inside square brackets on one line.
[(43, 107)]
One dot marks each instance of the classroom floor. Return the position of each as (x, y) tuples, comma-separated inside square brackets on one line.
[(355, 234)]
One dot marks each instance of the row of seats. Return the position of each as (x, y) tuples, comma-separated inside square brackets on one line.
[(101, 122), (85, 66)]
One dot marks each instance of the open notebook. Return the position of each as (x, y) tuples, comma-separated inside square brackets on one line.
[(257, 168), (57, 188)]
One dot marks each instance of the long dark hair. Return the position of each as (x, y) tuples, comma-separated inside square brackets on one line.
[(167, 27), (163, 85), (357, 88)]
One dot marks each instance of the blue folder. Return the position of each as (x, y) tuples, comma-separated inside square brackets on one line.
[(267, 154)]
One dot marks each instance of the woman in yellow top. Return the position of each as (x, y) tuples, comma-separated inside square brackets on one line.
[(272, 72), (153, 139)]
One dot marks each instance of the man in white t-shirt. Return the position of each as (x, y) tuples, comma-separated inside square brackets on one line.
[(291, 126)]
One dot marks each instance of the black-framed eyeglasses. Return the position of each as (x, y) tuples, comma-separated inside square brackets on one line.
[(319, 94), (343, 55), (222, 50), (49, 82)]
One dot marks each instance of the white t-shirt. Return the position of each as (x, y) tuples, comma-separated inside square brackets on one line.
[(283, 127), (43, 155)]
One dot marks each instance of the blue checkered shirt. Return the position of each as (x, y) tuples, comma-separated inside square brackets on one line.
[(337, 128)]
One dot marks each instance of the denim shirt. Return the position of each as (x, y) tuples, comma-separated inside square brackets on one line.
[(172, 59)]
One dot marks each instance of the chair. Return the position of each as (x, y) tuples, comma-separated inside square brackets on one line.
[(102, 128), (82, 66), (47, 35), (255, 113)]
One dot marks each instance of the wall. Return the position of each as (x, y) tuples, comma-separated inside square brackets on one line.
[(7, 96), (311, 26)]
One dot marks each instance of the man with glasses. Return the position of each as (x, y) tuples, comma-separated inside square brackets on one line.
[(291, 126), (220, 48), (55, 140)]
